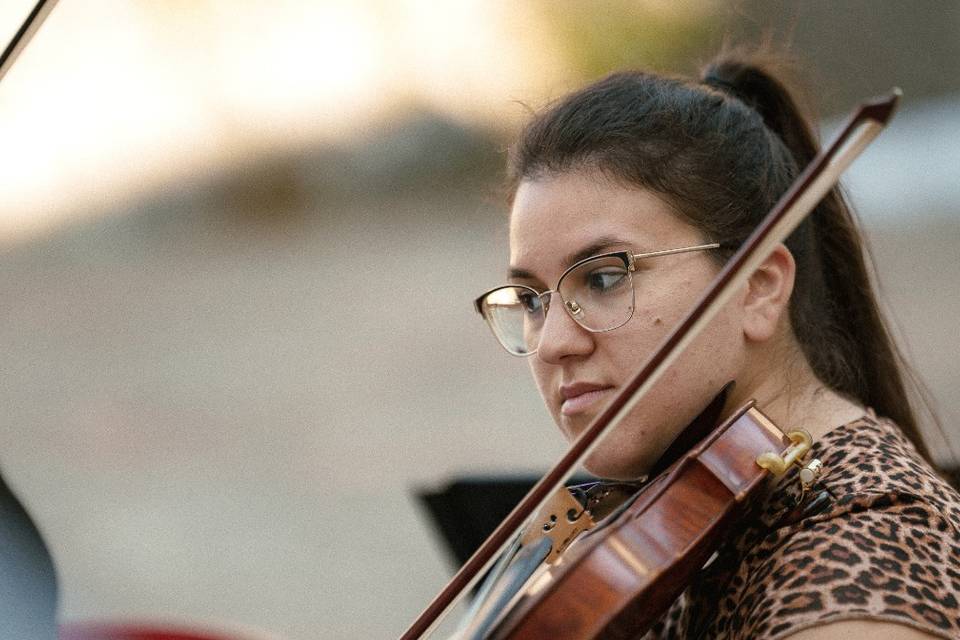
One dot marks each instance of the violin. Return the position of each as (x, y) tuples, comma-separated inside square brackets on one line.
[(651, 549), (616, 582)]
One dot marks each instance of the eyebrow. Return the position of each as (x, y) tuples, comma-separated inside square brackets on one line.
[(602, 244)]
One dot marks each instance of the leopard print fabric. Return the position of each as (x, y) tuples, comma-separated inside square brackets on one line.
[(878, 540)]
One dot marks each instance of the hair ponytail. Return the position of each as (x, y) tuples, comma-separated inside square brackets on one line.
[(723, 151), (834, 311), (748, 79)]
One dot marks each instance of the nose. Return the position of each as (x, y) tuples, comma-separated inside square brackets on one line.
[(561, 336)]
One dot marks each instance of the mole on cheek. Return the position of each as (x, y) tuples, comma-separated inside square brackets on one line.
[(657, 321)]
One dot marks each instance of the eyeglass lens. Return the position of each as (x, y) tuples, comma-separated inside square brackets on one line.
[(597, 294)]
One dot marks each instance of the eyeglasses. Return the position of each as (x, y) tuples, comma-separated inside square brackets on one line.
[(596, 292)]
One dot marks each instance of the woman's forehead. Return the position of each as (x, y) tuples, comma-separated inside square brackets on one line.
[(561, 215)]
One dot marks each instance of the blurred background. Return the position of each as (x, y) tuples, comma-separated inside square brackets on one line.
[(239, 244)]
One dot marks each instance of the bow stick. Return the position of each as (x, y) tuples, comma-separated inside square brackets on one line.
[(23, 35)]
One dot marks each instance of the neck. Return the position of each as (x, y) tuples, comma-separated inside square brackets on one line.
[(794, 398)]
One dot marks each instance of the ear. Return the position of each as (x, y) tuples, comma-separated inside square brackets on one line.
[(768, 295)]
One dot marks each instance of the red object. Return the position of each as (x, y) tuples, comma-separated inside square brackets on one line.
[(132, 631)]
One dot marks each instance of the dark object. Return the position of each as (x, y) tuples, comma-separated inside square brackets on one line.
[(28, 582), (468, 509)]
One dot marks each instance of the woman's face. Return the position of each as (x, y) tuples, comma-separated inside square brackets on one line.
[(559, 219)]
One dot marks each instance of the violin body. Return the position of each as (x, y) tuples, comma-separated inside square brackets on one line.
[(619, 579)]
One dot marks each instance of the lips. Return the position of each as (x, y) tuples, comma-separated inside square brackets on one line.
[(578, 397)]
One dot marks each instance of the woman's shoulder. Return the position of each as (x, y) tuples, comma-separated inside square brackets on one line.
[(870, 465), (877, 539)]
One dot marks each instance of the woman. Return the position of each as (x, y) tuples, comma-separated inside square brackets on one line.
[(638, 164)]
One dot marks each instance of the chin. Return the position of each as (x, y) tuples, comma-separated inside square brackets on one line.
[(571, 427), (613, 461), (613, 467)]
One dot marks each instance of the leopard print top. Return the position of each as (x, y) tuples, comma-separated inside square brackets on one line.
[(878, 539)]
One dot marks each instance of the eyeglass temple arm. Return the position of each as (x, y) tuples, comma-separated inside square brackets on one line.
[(667, 252)]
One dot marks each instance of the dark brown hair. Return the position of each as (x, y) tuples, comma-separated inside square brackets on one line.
[(721, 151)]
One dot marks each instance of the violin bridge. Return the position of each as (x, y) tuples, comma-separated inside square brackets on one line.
[(562, 519)]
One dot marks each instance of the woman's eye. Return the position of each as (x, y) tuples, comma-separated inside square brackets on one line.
[(605, 280), (529, 302)]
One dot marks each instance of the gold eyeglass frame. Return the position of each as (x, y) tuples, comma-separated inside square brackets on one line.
[(630, 263)]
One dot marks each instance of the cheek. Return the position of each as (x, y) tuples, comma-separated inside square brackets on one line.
[(656, 314), (658, 310), (653, 318), (543, 377), (712, 360), (667, 302), (635, 343)]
